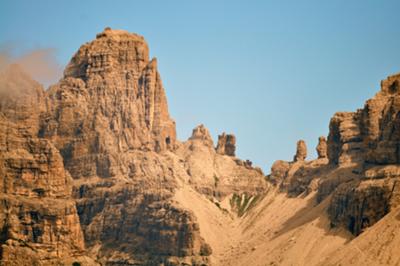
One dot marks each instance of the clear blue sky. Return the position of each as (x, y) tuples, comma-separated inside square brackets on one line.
[(271, 72)]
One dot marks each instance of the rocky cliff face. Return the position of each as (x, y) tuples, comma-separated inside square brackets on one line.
[(110, 101), (361, 177), (91, 173), (215, 174), (38, 218), (91, 166), (372, 139), (380, 124), (109, 118)]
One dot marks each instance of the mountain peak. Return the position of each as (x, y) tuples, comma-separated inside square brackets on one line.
[(112, 52), (121, 34)]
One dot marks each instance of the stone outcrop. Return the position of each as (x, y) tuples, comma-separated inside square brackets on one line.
[(369, 135), (279, 172), (301, 151), (322, 148), (363, 152), (344, 140), (226, 144), (215, 175), (366, 141), (380, 124), (357, 206), (362, 175), (202, 135), (360, 203)]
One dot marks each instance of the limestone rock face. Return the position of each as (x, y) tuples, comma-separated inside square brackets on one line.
[(362, 174), (344, 140), (364, 146), (226, 144), (360, 203), (301, 151), (109, 118), (201, 135), (215, 175), (322, 148), (38, 217), (110, 101), (92, 166), (357, 206), (380, 123), (371, 134), (91, 172), (107, 122), (279, 171), (130, 219)]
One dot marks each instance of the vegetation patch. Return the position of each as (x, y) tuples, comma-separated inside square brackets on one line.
[(242, 203)]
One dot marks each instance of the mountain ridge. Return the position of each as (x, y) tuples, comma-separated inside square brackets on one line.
[(92, 173)]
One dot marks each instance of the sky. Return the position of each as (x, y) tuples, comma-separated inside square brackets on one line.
[(270, 72)]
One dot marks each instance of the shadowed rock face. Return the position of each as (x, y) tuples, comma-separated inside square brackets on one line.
[(357, 206), (226, 144)]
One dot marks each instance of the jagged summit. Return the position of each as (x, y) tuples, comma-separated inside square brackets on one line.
[(112, 52), (391, 84), (113, 96), (119, 35)]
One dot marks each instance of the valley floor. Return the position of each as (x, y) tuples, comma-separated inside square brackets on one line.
[(289, 231)]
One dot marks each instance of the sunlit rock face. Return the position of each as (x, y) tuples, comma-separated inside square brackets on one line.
[(38, 217), (109, 118), (111, 101), (368, 140), (363, 152)]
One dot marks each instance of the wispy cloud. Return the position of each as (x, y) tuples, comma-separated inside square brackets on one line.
[(40, 64)]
